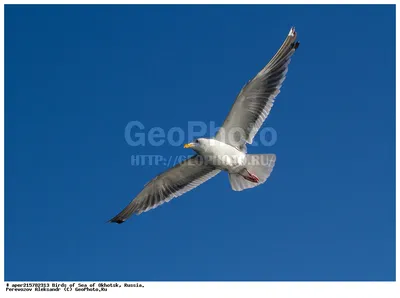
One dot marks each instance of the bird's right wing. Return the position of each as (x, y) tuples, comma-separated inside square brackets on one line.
[(171, 184), (255, 100)]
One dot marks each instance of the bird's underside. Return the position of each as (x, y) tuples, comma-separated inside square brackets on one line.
[(248, 113)]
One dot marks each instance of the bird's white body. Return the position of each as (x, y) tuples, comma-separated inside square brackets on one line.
[(221, 155)]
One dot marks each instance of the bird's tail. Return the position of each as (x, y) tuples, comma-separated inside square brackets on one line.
[(260, 165)]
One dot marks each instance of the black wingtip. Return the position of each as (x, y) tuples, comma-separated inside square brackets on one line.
[(118, 221), (296, 45)]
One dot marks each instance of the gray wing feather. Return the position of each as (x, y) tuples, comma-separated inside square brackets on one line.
[(256, 98), (171, 184)]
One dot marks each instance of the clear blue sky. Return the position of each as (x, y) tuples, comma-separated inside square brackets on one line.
[(76, 75)]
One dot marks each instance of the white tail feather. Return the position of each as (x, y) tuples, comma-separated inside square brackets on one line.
[(260, 165)]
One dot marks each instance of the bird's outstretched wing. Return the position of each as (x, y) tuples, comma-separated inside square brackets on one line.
[(255, 100), (171, 184)]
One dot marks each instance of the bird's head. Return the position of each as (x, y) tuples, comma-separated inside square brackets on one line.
[(198, 145)]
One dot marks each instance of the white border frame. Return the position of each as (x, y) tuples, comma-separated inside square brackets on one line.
[(224, 289)]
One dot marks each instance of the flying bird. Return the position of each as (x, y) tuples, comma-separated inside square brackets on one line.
[(226, 151)]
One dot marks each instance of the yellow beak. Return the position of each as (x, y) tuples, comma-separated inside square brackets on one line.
[(189, 145)]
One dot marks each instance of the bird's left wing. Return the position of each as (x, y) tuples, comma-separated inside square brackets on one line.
[(255, 100), (171, 184)]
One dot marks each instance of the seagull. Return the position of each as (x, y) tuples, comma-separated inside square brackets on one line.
[(226, 151)]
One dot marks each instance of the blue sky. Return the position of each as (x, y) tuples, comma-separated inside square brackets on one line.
[(75, 76)]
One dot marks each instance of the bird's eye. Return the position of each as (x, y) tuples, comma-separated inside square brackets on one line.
[(197, 141)]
